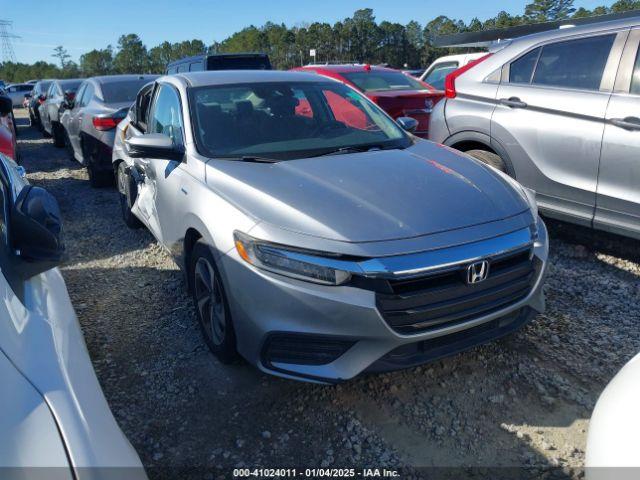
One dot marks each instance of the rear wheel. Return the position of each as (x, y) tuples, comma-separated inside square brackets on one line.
[(127, 197), (489, 158), (99, 178), (45, 134), (58, 134), (211, 304)]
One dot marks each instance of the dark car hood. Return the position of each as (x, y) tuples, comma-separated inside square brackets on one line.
[(372, 196)]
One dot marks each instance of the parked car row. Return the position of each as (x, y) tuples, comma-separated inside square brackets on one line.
[(194, 139), (321, 239)]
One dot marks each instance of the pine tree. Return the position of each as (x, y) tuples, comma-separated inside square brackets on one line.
[(548, 10)]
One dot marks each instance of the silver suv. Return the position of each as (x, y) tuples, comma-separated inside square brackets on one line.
[(318, 238), (560, 112)]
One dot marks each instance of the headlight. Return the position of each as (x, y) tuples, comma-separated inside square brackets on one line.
[(291, 262)]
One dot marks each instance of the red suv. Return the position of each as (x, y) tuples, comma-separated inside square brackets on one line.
[(8, 144), (399, 94)]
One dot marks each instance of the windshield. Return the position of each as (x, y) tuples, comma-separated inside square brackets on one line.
[(123, 90), (285, 120), (379, 80)]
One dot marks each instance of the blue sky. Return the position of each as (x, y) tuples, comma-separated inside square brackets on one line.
[(83, 25)]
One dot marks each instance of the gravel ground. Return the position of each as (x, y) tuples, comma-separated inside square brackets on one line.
[(522, 401)]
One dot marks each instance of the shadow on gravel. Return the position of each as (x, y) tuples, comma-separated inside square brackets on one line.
[(595, 240)]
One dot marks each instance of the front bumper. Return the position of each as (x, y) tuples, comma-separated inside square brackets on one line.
[(301, 330)]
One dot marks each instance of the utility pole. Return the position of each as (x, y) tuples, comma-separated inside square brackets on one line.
[(8, 55)]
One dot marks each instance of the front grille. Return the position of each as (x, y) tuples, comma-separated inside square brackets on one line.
[(441, 299), (303, 349), (413, 354)]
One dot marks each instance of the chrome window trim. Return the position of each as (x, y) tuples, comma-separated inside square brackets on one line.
[(608, 74), (627, 64)]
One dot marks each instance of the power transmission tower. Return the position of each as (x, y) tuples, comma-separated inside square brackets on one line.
[(8, 55)]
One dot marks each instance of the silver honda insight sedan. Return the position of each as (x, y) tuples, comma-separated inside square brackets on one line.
[(319, 239)]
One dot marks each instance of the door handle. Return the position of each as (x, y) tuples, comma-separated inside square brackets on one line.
[(513, 102), (628, 123)]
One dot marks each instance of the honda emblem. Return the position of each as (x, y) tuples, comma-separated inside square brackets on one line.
[(477, 272)]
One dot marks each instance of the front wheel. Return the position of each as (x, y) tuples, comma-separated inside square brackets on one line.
[(127, 197), (489, 158), (210, 300)]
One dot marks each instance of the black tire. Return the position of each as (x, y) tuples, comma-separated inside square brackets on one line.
[(489, 158), (214, 319), (127, 197), (99, 178), (58, 134), (68, 146)]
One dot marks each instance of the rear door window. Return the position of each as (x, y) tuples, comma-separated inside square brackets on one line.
[(521, 70), (79, 94), (575, 64), (87, 95)]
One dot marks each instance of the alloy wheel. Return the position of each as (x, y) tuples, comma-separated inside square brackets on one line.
[(209, 301)]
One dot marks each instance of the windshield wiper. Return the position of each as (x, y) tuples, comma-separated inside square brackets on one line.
[(355, 149), (252, 159)]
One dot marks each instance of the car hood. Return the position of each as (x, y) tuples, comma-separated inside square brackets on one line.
[(372, 196)]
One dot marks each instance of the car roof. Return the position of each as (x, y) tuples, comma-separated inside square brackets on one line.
[(226, 77), (66, 81), (348, 68), (577, 30), (119, 78)]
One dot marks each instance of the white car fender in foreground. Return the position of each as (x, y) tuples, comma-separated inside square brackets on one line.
[(613, 445), (40, 338)]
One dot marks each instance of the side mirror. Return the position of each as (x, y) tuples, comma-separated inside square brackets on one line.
[(407, 123), (6, 105), (36, 231), (42, 97), (154, 145)]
